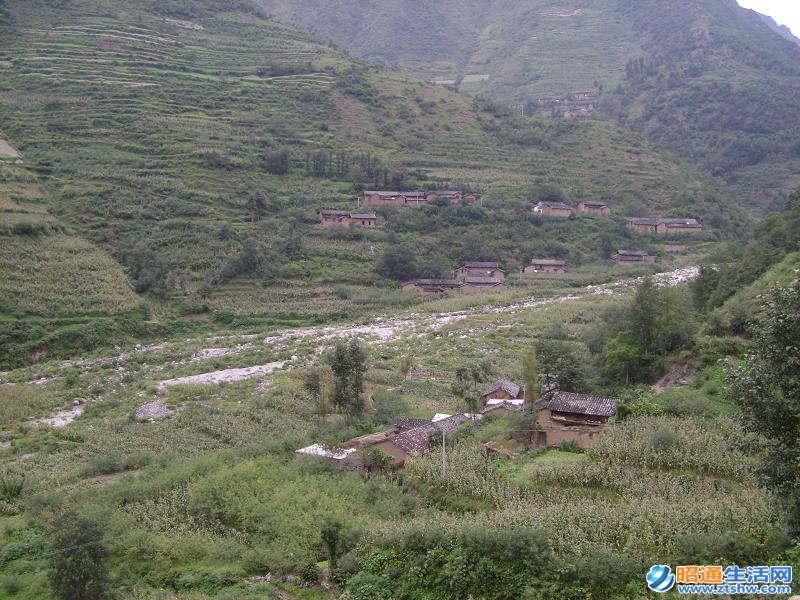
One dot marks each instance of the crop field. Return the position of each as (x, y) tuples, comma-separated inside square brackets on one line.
[(189, 499)]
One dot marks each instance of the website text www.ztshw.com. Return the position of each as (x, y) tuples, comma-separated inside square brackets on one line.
[(712, 579)]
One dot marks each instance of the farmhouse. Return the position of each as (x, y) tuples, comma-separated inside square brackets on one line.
[(579, 110), (663, 226), (633, 257), (490, 270), (503, 390), (553, 209), (426, 287), (418, 198), (546, 265), (472, 284), (575, 418), (588, 207), (410, 437), (383, 198), (452, 196), (582, 95), (344, 218)]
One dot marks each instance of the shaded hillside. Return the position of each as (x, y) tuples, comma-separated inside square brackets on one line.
[(708, 79), (195, 144), (781, 30)]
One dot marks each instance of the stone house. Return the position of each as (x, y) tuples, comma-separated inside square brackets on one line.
[(633, 257), (368, 220), (588, 207), (575, 418), (490, 270), (546, 265), (554, 209)]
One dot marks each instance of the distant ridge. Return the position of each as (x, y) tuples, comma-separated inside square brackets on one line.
[(781, 30)]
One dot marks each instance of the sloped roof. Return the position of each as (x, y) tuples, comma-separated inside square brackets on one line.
[(594, 204), (414, 441), (363, 216), (440, 282), (482, 265), (583, 404), (560, 205), (548, 261), (338, 213), (633, 253), (504, 384), (510, 405), (406, 423), (482, 280), (450, 424)]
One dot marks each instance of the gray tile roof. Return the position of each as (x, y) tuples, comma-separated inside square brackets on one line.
[(583, 404), (504, 384)]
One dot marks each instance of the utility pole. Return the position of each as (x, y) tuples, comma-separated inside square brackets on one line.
[(444, 456)]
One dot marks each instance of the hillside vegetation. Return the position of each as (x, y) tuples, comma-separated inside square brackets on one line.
[(708, 79), (194, 143)]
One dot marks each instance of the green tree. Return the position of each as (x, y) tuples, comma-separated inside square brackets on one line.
[(349, 364), (530, 375), (312, 383), (332, 538), (79, 560), (767, 387)]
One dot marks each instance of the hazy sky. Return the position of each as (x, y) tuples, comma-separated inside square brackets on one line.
[(785, 12)]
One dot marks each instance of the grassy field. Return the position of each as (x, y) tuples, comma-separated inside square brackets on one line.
[(200, 500)]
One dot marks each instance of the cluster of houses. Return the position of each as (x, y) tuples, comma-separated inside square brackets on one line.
[(575, 104), (562, 209), (561, 418), (329, 218), (418, 198), (471, 276)]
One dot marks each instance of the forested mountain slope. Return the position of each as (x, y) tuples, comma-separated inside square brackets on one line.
[(706, 78)]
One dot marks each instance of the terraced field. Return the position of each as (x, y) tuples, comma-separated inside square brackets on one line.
[(149, 134)]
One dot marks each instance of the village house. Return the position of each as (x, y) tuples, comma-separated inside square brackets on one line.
[(470, 277), (491, 270), (476, 284), (410, 437), (452, 196), (426, 287), (572, 418), (553, 209), (503, 390), (594, 208), (399, 199), (343, 218), (663, 226), (546, 265), (418, 198), (633, 257), (501, 408)]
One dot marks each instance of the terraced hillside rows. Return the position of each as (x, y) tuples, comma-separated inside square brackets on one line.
[(715, 83), (195, 144)]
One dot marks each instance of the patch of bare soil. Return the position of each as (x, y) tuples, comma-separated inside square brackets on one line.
[(157, 409), (61, 418), (7, 150), (680, 375), (223, 376)]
